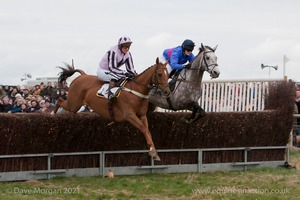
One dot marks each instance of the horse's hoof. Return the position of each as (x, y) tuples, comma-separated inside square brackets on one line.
[(153, 154), (189, 121), (156, 158), (185, 120)]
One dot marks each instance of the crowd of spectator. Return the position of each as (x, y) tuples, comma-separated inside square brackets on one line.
[(28, 99), (297, 119)]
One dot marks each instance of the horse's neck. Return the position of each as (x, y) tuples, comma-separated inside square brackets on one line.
[(194, 75), (143, 80), (196, 72)]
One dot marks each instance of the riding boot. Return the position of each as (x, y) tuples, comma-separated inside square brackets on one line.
[(174, 76), (172, 84), (111, 95)]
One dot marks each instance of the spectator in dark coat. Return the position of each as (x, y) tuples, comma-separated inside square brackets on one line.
[(34, 106), (18, 106), (6, 106)]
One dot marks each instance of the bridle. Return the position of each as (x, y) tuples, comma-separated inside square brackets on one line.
[(203, 60), (206, 68), (153, 76), (156, 79), (155, 83)]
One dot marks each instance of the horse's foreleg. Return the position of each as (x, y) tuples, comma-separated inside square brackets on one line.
[(201, 113), (142, 125), (144, 120), (197, 113)]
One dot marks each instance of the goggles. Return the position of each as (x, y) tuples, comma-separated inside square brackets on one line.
[(126, 46), (189, 49)]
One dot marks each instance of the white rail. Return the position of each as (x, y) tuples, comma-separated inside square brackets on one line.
[(233, 95)]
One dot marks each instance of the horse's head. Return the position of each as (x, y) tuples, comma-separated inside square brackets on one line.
[(160, 78), (208, 60)]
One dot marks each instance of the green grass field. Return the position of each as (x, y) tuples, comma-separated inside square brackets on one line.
[(267, 183)]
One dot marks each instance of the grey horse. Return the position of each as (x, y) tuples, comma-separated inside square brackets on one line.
[(187, 91)]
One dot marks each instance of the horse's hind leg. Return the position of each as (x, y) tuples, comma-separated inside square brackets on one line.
[(60, 103)]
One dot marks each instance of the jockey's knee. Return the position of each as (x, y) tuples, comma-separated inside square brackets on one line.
[(112, 83)]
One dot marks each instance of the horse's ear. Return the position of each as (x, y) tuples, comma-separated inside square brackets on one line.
[(202, 47), (214, 49), (157, 61)]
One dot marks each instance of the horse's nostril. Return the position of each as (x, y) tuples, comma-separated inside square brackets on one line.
[(215, 73)]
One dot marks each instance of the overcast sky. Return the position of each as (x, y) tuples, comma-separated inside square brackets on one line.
[(36, 36)]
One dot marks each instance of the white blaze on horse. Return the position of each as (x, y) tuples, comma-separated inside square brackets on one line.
[(187, 91)]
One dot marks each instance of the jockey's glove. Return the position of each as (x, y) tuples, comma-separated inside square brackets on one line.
[(187, 66), (129, 75)]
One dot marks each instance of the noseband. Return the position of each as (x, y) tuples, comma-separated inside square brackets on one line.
[(206, 65)]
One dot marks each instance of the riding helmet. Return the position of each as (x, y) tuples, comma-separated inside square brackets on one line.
[(188, 44), (124, 40)]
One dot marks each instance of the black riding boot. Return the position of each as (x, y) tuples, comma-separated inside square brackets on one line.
[(174, 75), (172, 84)]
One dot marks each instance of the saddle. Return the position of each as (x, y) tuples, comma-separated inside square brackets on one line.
[(103, 91)]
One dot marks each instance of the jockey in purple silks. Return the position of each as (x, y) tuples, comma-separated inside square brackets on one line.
[(109, 66)]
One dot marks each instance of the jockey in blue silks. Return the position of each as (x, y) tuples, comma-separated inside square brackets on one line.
[(178, 58)]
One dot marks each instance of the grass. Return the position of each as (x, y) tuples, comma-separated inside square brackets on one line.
[(266, 183)]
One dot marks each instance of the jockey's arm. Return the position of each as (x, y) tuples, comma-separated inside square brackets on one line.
[(113, 65)]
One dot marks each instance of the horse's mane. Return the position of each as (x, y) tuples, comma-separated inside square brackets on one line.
[(146, 70), (207, 47), (200, 51)]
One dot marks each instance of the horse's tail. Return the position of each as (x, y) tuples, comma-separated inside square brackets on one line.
[(67, 72)]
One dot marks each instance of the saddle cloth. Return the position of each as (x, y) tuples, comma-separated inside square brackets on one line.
[(103, 91)]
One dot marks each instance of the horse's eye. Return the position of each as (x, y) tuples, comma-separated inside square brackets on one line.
[(159, 75), (207, 58)]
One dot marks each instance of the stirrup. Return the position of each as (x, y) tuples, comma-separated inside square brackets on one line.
[(111, 96)]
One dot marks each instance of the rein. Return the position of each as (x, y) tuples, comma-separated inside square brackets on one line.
[(148, 85), (183, 78), (205, 62)]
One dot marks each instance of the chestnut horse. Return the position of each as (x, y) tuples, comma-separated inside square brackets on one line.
[(131, 105)]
